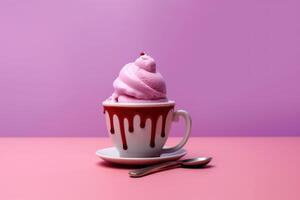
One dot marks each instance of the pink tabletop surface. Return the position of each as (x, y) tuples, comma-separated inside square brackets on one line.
[(67, 168)]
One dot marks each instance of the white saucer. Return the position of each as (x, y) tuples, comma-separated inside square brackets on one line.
[(112, 155)]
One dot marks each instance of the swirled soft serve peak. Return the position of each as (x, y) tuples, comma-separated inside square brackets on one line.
[(139, 81)]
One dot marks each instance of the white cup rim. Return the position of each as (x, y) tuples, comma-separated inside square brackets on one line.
[(147, 104)]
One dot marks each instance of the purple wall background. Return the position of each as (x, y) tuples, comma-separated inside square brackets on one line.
[(234, 65)]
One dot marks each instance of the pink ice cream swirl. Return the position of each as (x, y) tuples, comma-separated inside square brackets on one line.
[(140, 82)]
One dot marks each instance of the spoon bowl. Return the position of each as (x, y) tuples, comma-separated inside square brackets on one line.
[(195, 162)]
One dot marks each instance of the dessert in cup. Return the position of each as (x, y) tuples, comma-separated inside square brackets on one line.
[(138, 113)]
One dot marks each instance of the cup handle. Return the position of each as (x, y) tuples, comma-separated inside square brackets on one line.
[(188, 126)]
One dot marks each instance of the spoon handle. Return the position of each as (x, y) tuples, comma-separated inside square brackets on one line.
[(154, 168)]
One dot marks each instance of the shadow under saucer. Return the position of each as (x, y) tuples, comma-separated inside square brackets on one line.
[(118, 166)]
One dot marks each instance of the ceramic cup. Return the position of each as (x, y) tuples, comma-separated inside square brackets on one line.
[(142, 129)]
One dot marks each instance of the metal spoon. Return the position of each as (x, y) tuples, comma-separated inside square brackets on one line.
[(187, 163)]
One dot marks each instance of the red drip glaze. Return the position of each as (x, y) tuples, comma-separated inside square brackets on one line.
[(130, 123), (163, 131), (152, 113), (112, 129), (143, 123), (122, 129), (153, 130)]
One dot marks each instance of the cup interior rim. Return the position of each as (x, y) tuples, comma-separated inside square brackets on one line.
[(148, 104)]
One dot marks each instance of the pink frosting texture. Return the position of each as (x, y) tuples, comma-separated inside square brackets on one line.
[(140, 82)]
